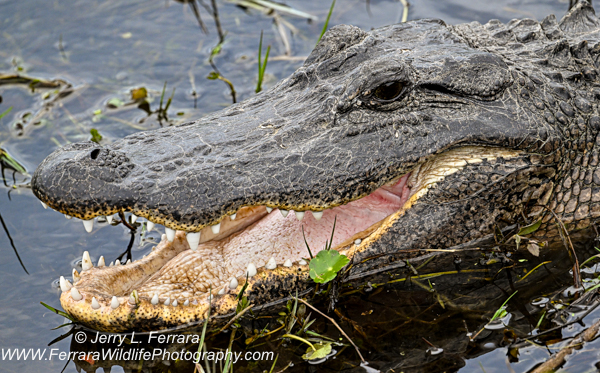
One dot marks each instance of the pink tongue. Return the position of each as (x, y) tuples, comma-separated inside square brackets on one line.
[(281, 238)]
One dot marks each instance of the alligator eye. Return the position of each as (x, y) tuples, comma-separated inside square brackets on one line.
[(388, 91)]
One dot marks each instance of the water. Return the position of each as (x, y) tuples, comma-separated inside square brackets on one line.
[(103, 49)]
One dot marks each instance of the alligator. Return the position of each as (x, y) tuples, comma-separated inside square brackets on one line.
[(412, 138)]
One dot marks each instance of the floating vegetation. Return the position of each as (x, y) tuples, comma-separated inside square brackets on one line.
[(32, 83), (54, 91), (138, 94)]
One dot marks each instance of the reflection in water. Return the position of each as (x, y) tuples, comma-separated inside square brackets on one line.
[(431, 321), (9, 163)]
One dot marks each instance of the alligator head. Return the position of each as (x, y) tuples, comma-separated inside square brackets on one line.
[(412, 137)]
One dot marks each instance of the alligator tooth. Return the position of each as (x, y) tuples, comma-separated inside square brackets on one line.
[(109, 219), (269, 209), (232, 217), (64, 284), (186, 303), (114, 303), (133, 218), (193, 239), (68, 216), (117, 262), (170, 234), (111, 264), (287, 263), (88, 225), (233, 284), (149, 225), (318, 214), (101, 262), (44, 205), (216, 228), (175, 303), (283, 212), (95, 304), (271, 264), (357, 241), (86, 261), (221, 292), (76, 295), (168, 301), (128, 261), (132, 298), (76, 277), (210, 297), (302, 262), (299, 215), (154, 300), (251, 271)]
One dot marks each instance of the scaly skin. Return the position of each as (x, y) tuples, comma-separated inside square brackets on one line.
[(493, 122)]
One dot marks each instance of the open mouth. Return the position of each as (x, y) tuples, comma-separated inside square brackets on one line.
[(189, 269), (186, 267)]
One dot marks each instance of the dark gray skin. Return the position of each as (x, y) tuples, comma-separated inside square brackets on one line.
[(322, 137)]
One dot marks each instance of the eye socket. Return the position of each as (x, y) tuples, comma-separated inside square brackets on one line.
[(388, 91)]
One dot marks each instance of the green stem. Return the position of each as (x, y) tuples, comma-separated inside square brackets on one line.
[(300, 339)]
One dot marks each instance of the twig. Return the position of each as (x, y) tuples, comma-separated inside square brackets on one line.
[(404, 10), (558, 359), (235, 318), (198, 17), (563, 232), (124, 221), (336, 325), (217, 21)]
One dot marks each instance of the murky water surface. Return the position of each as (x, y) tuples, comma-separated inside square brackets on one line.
[(93, 53)]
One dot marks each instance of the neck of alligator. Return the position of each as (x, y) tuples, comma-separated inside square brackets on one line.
[(412, 139)]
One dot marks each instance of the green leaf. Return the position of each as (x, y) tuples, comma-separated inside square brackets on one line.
[(11, 163), (320, 351), (213, 75), (325, 266), (114, 103), (501, 312), (96, 136), (326, 21), (530, 228), (139, 93), (6, 112), (58, 312)]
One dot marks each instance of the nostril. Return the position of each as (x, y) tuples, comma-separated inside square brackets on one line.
[(94, 153)]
